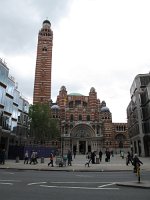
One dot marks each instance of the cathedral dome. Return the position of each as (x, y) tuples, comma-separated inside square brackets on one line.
[(105, 109), (75, 94), (55, 107)]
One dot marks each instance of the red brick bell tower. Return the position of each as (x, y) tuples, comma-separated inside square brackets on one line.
[(42, 82)]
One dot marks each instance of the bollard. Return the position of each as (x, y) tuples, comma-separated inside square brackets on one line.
[(97, 160), (42, 159), (17, 159)]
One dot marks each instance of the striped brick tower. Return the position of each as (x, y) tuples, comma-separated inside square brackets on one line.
[(42, 82)]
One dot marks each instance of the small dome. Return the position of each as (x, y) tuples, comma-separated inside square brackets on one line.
[(105, 109), (92, 89), (55, 107), (103, 104), (75, 94), (63, 88), (46, 22)]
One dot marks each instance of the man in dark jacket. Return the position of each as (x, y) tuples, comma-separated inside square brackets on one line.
[(136, 161)]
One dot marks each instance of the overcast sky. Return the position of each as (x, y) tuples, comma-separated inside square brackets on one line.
[(97, 43)]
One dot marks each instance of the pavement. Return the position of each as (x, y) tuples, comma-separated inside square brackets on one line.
[(78, 164)]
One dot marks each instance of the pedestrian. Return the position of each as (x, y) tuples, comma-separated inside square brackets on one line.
[(69, 157), (128, 158), (0, 156), (74, 153), (32, 160), (88, 160), (26, 157), (93, 155), (107, 159), (100, 155), (36, 157), (122, 154), (3, 156), (51, 160), (136, 161)]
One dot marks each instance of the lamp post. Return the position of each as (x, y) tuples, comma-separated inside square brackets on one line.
[(62, 145)]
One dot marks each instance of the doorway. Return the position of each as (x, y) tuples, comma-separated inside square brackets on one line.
[(82, 147)]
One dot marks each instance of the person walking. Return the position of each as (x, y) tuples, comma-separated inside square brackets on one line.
[(128, 158), (74, 153), (51, 160), (88, 160), (3, 156), (26, 157), (32, 160), (100, 155), (69, 157)]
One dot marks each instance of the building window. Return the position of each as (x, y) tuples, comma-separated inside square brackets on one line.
[(80, 117), (71, 117), (44, 49), (88, 118)]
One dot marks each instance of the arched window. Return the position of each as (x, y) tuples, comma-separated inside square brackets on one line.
[(88, 117), (44, 49), (71, 117), (80, 117), (71, 104)]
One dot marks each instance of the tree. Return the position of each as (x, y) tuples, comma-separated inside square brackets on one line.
[(42, 126)]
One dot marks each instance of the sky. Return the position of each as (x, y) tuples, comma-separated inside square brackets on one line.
[(96, 43)]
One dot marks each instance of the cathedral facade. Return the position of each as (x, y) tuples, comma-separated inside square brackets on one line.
[(86, 124)]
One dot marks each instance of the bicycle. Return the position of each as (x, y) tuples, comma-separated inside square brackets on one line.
[(138, 172)]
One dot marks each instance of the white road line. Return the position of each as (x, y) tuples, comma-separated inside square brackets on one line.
[(83, 176), (80, 182), (37, 183), (10, 180), (6, 183), (84, 188), (8, 173), (106, 185)]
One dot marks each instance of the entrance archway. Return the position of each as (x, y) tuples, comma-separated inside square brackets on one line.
[(81, 137)]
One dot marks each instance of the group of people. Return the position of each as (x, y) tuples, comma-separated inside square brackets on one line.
[(31, 159), (134, 160), (91, 158), (62, 162)]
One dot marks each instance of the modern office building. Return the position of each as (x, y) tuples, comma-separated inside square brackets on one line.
[(42, 83), (86, 124), (13, 111), (138, 115)]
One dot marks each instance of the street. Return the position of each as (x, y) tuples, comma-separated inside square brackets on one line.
[(30, 185)]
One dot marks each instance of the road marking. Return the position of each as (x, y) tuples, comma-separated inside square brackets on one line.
[(8, 173), (84, 188), (106, 185), (83, 176), (37, 183), (80, 182), (6, 183), (10, 180)]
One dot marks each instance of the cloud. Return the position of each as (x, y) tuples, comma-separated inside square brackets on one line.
[(100, 44), (20, 22)]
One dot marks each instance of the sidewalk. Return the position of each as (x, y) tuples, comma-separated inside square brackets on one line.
[(78, 164)]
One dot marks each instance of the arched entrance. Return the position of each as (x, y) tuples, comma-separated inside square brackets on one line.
[(120, 138), (81, 136)]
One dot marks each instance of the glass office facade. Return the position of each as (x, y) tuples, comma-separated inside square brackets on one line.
[(13, 111)]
